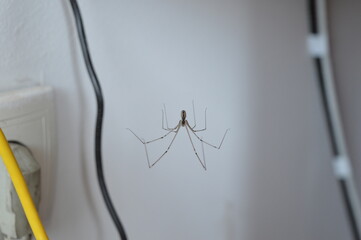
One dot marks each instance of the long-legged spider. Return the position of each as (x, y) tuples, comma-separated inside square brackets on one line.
[(182, 123)]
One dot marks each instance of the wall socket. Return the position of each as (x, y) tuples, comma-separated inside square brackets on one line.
[(28, 116)]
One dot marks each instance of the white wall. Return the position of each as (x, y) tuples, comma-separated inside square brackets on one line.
[(244, 60)]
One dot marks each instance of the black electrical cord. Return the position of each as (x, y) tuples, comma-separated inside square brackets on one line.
[(314, 29), (99, 121)]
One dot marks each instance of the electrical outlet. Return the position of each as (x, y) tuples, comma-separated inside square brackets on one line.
[(28, 116)]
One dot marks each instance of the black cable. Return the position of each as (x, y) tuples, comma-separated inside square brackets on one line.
[(348, 208), (320, 75), (99, 121), (335, 149), (326, 106), (312, 16)]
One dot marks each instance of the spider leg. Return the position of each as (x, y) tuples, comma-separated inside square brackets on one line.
[(146, 142), (194, 114), (205, 123), (176, 132), (204, 156), (146, 153), (167, 129), (200, 139), (141, 140), (156, 139), (165, 111), (195, 151)]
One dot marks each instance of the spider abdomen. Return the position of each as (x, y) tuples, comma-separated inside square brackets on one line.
[(183, 117)]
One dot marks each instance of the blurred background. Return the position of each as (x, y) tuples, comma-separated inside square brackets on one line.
[(246, 61)]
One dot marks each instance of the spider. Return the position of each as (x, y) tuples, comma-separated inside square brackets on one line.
[(182, 123)]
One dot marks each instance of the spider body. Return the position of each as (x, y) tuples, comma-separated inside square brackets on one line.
[(183, 117), (182, 123)]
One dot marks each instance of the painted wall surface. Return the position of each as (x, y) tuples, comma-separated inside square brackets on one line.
[(347, 54), (244, 60)]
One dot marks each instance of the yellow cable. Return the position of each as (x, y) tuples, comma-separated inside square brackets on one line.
[(21, 188)]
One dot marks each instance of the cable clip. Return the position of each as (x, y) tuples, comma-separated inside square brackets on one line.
[(317, 45), (342, 167)]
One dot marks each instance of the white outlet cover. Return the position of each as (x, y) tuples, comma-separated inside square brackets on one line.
[(28, 116)]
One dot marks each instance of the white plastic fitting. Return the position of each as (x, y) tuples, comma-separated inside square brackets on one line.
[(13, 222)]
